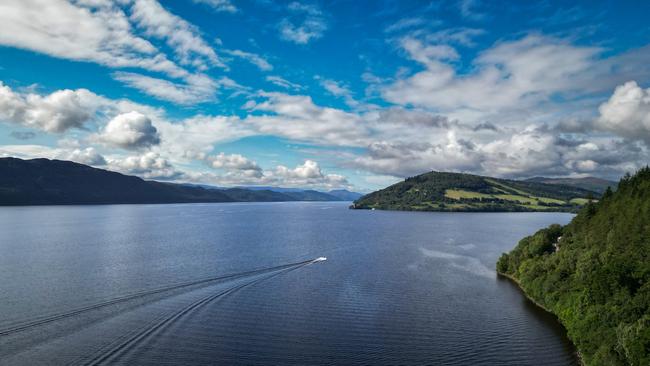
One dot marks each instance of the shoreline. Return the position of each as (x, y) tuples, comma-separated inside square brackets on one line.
[(353, 206), (516, 281)]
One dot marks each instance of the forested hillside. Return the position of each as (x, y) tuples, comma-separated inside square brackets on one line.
[(593, 274), (590, 183), (440, 191)]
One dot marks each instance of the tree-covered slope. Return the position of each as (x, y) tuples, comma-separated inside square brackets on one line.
[(439, 191), (593, 274), (590, 183)]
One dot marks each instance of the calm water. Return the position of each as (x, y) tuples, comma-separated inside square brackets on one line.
[(148, 284)]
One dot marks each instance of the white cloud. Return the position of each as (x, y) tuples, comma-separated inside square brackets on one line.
[(149, 166), (297, 117), (194, 138), (102, 32), (199, 87), (468, 9), (131, 130), (512, 75), (307, 174), (96, 33), (462, 36), (56, 112), (309, 25), (180, 35), (234, 162), (338, 89), (281, 82), (404, 24), (219, 5), (88, 156), (627, 112), (428, 55), (254, 59), (403, 159), (335, 88)]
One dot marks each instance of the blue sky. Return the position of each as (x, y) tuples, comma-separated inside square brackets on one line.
[(336, 94)]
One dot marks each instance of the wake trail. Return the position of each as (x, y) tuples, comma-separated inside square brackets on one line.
[(43, 320), (126, 343)]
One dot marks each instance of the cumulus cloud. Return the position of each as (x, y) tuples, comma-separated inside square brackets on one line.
[(404, 159), (298, 118), (627, 112), (234, 162), (305, 24), (55, 112), (307, 174), (149, 166), (132, 130), (88, 156)]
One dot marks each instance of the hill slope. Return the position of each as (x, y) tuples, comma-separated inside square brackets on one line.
[(57, 182), (594, 274), (345, 195), (589, 183), (438, 191)]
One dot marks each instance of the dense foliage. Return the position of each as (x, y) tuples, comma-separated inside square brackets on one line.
[(596, 281), (430, 192)]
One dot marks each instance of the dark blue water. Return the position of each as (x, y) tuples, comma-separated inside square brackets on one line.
[(235, 284)]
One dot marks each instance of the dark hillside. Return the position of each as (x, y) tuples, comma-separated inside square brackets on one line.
[(594, 274)]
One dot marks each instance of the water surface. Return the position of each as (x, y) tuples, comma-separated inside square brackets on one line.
[(234, 284)]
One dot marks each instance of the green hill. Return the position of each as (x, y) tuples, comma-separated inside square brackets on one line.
[(590, 183), (593, 274), (438, 191)]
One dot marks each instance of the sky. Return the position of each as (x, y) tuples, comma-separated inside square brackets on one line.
[(327, 94)]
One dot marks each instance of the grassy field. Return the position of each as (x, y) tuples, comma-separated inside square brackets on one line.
[(580, 201), (529, 201)]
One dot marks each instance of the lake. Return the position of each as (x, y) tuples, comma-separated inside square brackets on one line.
[(236, 283)]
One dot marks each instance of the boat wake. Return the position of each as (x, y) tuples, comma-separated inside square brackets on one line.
[(198, 293)]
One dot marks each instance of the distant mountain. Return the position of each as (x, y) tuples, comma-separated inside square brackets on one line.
[(439, 191), (271, 188), (311, 195), (590, 183), (57, 182), (345, 195)]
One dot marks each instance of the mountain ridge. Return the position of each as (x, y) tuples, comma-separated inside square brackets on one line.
[(59, 182)]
